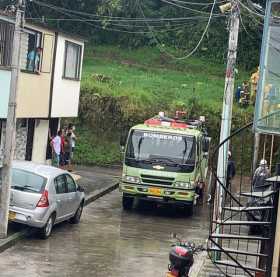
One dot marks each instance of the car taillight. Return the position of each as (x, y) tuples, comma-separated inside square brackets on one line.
[(44, 201)]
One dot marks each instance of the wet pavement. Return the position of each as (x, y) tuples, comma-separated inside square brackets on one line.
[(107, 242), (96, 178)]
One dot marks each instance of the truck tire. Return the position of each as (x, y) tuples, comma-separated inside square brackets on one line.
[(127, 202), (189, 210)]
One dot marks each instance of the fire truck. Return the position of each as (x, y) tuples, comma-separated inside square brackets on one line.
[(165, 160)]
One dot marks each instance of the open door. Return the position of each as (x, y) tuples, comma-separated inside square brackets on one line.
[(30, 138)]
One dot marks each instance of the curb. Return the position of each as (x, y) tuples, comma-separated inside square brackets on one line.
[(11, 240), (94, 196)]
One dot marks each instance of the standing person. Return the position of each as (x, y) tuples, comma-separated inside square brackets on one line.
[(237, 94), (68, 151), (260, 175), (56, 145), (33, 60), (254, 85), (62, 156), (71, 129), (230, 170)]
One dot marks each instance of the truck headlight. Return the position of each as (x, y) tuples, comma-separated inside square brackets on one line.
[(131, 179), (184, 185)]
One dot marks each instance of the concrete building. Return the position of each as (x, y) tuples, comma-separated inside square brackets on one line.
[(49, 85)]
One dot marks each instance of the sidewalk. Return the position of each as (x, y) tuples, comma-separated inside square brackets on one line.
[(95, 178), (97, 181)]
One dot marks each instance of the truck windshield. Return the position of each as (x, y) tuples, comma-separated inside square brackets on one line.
[(172, 150)]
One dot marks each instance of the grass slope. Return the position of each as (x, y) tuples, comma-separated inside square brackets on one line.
[(147, 77)]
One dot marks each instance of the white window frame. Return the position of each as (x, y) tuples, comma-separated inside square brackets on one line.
[(78, 64)]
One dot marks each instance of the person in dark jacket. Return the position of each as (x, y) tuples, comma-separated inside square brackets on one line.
[(230, 169), (260, 175)]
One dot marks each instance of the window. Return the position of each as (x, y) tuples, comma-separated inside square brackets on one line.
[(71, 184), (31, 50), (72, 60), (27, 181), (60, 184), (6, 43)]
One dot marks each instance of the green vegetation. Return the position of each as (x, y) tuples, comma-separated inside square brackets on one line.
[(121, 88)]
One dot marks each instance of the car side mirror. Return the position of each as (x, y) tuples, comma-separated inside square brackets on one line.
[(80, 189)]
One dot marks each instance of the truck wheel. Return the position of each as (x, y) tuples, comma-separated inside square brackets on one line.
[(127, 202), (188, 210)]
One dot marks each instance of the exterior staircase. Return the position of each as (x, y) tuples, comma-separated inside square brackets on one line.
[(243, 221)]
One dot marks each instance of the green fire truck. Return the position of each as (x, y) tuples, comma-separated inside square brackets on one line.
[(165, 160)]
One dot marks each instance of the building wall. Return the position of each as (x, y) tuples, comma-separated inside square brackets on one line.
[(5, 79), (34, 89), (21, 139), (40, 141), (66, 93)]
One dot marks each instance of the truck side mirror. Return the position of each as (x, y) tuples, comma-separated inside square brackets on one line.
[(206, 144)]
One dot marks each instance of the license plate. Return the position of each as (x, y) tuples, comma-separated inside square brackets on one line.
[(155, 191), (12, 215)]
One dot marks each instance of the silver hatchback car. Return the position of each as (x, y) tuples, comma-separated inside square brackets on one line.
[(42, 196)]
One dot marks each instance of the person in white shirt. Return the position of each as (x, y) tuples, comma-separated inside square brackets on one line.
[(56, 145), (71, 129)]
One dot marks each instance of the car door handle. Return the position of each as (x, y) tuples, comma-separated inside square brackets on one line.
[(58, 201), (70, 198)]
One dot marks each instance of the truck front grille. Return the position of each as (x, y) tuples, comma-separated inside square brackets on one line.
[(150, 180)]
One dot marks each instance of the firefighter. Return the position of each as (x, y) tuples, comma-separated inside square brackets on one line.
[(260, 175), (254, 85)]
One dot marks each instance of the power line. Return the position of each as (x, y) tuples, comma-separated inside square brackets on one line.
[(85, 20), (186, 8), (249, 10), (116, 18), (194, 49), (169, 28), (115, 24), (197, 3)]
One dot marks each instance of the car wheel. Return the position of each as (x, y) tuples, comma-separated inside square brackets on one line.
[(46, 231), (77, 217), (127, 202)]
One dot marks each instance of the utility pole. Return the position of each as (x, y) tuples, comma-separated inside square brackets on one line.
[(228, 100), (10, 136)]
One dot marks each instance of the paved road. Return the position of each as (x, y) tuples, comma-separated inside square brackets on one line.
[(107, 243)]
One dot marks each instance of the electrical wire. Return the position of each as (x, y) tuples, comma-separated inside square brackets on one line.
[(84, 20), (197, 3), (116, 18), (243, 25), (170, 28), (115, 24), (184, 7), (194, 49), (249, 10)]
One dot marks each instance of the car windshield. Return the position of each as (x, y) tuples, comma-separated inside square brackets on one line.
[(27, 181), (172, 149)]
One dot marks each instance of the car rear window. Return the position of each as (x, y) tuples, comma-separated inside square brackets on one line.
[(27, 181)]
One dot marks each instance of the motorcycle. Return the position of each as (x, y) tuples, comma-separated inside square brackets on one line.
[(181, 257)]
